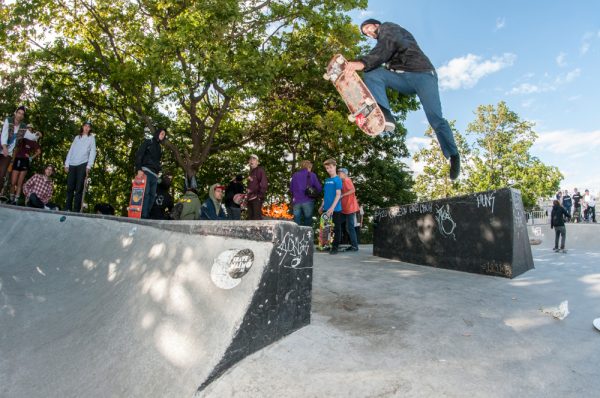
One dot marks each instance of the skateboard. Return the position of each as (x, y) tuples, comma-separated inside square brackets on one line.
[(86, 185), (138, 186), (325, 232), (363, 108)]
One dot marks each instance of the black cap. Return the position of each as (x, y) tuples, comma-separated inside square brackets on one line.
[(369, 21), (239, 177)]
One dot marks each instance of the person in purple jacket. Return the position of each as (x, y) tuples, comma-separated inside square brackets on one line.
[(302, 204)]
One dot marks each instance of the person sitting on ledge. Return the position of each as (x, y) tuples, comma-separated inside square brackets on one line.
[(39, 188)]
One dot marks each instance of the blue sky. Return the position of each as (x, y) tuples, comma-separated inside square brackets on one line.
[(541, 57)]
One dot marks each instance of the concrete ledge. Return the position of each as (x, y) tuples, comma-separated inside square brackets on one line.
[(482, 233), (157, 308)]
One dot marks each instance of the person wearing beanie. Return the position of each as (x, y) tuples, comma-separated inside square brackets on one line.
[(407, 70), (147, 162), (13, 130), (235, 186), (213, 208), (78, 163)]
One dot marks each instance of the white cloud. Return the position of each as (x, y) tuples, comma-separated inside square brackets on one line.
[(561, 59), (414, 144), (528, 103), (569, 142), (465, 72), (500, 23), (545, 86), (366, 14), (586, 41)]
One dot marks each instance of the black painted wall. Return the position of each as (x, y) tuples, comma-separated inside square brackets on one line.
[(282, 304), (483, 233)]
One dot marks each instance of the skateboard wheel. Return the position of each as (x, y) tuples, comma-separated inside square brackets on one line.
[(326, 76), (351, 118), (339, 60), (369, 102)]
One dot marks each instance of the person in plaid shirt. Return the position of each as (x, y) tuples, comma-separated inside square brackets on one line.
[(38, 189)]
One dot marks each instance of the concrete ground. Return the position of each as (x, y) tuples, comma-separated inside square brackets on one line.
[(382, 328)]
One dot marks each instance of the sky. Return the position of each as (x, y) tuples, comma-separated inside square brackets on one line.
[(541, 57)]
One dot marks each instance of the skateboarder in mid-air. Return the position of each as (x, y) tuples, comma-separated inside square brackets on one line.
[(407, 70)]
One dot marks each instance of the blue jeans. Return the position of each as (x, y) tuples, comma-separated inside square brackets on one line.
[(149, 194), (425, 85), (304, 209), (351, 228)]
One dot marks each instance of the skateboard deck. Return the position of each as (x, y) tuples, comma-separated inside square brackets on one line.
[(325, 232), (86, 185), (241, 200), (138, 186), (363, 108)]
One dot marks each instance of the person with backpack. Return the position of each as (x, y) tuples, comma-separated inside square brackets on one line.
[(235, 187), (147, 161), (557, 221), (25, 152), (188, 207), (305, 188)]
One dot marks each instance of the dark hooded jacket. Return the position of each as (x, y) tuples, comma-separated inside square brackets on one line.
[(149, 154), (397, 48), (557, 216)]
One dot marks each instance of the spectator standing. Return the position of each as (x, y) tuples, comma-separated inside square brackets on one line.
[(39, 189), (78, 163), (567, 202), (163, 204), (257, 188), (332, 192), (558, 223), (147, 161), (304, 181), (213, 208), (13, 130), (576, 205), (590, 206), (25, 152), (235, 186), (349, 207)]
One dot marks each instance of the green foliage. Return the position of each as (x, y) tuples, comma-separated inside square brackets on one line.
[(499, 157)]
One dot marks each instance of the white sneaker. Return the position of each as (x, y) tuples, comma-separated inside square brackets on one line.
[(389, 127)]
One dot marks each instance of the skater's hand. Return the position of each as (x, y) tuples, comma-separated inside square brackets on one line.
[(321, 210), (5, 151), (355, 66), (66, 169), (87, 171), (329, 212)]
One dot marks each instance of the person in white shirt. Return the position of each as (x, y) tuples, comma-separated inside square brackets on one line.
[(590, 206), (78, 164)]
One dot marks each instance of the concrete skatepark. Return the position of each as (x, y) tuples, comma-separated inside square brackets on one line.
[(379, 327)]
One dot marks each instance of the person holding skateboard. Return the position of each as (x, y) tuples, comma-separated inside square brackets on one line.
[(406, 70), (147, 161), (25, 152), (332, 192), (78, 163)]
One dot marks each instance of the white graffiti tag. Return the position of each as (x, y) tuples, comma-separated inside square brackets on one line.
[(294, 247), (486, 200), (445, 222)]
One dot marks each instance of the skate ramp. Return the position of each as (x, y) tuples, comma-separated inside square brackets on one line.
[(484, 233), (103, 306)]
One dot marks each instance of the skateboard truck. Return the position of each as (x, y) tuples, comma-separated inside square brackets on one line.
[(359, 117)]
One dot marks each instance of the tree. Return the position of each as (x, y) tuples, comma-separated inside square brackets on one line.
[(501, 155), (205, 68), (435, 182)]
